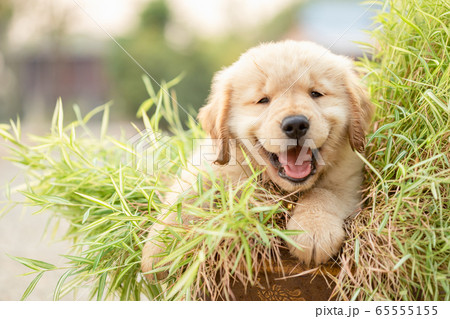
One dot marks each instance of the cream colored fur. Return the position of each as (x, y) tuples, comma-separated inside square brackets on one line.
[(286, 72)]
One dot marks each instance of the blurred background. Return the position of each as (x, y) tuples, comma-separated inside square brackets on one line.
[(72, 48), (89, 52)]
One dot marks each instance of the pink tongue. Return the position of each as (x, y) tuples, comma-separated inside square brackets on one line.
[(296, 162)]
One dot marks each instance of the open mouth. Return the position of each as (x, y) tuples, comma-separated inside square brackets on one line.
[(296, 165)]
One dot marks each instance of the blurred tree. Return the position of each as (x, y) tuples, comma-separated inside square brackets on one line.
[(6, 11), (22, 65), (155, 16), (198, 59)]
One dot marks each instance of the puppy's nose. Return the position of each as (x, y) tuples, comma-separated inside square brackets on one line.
[(295, 126)]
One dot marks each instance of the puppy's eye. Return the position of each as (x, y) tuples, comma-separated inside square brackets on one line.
[(264, 100), (316, 94)]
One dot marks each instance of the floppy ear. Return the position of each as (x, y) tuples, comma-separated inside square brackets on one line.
[(214, 116), (361, 112)]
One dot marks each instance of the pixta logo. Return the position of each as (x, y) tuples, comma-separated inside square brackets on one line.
[(150, 151)]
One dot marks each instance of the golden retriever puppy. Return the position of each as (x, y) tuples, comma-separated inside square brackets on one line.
[(300, 113)]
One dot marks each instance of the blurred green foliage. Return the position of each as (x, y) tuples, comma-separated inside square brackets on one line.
[(5, 17), (198, 60)]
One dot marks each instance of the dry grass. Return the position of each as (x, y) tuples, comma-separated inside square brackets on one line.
[(398, 247)]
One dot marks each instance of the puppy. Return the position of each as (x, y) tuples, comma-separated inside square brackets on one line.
[(300, 113)]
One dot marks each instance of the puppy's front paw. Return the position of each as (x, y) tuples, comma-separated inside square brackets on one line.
[(322, 237)]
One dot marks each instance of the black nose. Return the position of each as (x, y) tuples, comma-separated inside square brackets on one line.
[(295, 126)]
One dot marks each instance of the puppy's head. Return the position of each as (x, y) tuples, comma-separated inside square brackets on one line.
[(293, 105)]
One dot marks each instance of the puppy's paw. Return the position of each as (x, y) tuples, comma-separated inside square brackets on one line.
[(322, 237)]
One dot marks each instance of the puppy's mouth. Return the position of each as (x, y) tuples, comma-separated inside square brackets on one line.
[(296, 165)]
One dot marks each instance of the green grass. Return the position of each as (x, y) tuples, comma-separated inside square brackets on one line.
[(403, 233), (100, 187), (397, 248)]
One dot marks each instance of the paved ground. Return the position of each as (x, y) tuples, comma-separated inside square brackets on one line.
[(21, 234)]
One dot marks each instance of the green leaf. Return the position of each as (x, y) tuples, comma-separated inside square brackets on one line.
[(57, 120), (262, 234), (33, 263), (101, 286), (97, 201), (86, 215), (401, 261), (105, 121), (60, 283), (32, 285), (285, 236), (188, 277), (248, 256)]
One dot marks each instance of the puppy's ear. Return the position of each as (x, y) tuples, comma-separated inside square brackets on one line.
[(361, 112), (214, 115)]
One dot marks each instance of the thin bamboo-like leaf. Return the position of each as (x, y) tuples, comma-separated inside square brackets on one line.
[(96, 201), (32, 285)]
